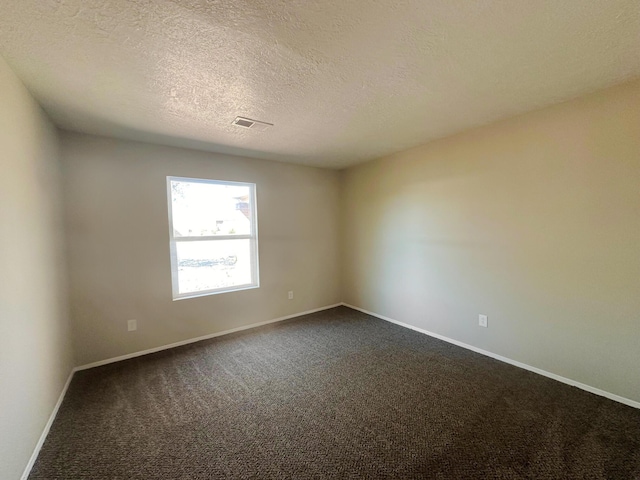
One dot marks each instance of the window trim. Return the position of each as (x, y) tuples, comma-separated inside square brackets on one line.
[(252, 237)]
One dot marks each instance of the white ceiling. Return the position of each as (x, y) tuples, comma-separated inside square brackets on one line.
[(343, 81)]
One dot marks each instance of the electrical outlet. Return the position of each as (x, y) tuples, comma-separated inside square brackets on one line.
[(291, 295), (483, 321), (132, 325)]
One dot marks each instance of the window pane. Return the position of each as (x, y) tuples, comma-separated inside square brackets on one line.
[(208, 265), (203, 209)]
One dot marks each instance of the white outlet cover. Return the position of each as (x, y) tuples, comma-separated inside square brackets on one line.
[(132, 325), (290, 295), (483, 321)]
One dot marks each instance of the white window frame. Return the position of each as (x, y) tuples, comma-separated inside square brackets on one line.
[(252, 236)]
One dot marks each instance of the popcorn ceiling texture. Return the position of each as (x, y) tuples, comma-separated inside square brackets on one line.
[(343, 82)]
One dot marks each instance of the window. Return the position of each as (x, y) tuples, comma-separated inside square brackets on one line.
[(213, 236)]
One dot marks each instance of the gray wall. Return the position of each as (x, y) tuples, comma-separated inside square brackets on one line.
[(116, 210), (534, 221), (35, 348)]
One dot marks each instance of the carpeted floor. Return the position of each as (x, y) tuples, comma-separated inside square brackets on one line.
[(336, 394)]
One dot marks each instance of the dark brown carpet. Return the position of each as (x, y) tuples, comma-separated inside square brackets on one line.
[(337, 394)]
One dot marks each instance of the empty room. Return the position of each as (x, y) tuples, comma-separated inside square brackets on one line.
[(287, 239)]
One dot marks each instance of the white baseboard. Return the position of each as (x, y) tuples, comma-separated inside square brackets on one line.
[(197, 339), (568, 381), (539, 371), (47, 427)]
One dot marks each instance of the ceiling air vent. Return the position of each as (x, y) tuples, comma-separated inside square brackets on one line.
[(252, 124)]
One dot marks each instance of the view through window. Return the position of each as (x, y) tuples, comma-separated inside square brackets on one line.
[(213, 236)]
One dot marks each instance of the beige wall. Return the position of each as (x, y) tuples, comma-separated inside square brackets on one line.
[(534, 221), (119, 244), (35, 350)]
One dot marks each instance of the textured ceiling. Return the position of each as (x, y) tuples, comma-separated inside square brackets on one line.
[(342, 80)]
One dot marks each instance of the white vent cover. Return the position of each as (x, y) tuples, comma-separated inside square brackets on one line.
[(252, 124)]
